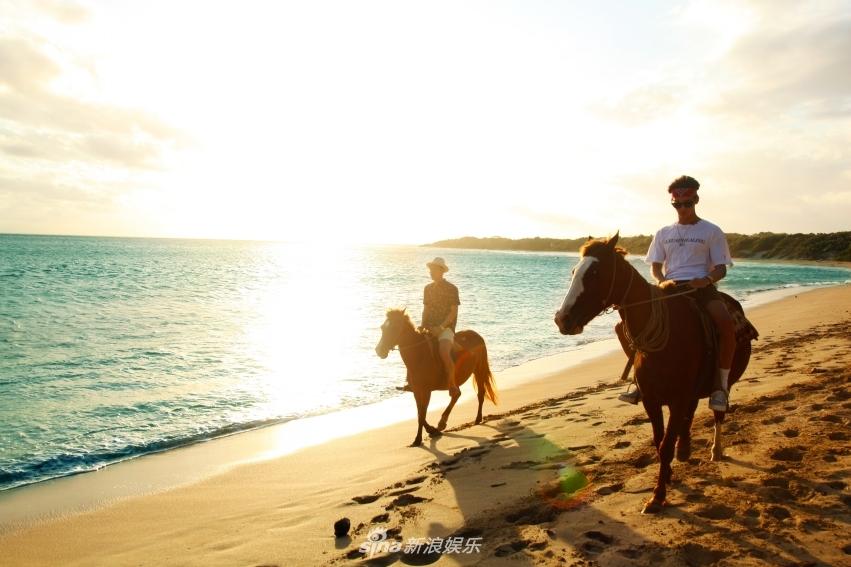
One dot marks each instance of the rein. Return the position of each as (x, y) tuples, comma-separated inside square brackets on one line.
[(656, 332), (401, 348)]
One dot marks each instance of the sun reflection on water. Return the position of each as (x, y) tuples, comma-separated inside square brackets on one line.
[(312, 321)]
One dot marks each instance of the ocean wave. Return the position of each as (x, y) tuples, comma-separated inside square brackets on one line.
[(66, 464)]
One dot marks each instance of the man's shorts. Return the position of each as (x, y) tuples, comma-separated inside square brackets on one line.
[(704, 294), (446, 334)]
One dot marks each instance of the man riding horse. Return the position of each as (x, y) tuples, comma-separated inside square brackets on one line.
[(693, 252), (440, 315)]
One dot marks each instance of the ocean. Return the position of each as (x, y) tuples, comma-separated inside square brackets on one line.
[(111, 348)]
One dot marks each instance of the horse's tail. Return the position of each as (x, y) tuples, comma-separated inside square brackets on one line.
[(484, 376), (473, 343)]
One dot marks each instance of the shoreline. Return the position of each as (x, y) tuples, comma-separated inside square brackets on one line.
[(280, 510), (160, 471)]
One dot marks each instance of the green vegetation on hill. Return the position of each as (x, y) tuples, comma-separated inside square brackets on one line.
[(835, 246)]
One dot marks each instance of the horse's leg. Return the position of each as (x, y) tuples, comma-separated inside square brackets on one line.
[(432, 431), (422, 406), (717, 445), (654, 412), (441, 425), (481, 395), (666, 455), (684, 441)]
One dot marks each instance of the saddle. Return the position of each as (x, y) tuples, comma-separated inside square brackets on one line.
[(744, 329)]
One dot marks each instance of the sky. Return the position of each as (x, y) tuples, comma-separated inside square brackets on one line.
[(409, 122)]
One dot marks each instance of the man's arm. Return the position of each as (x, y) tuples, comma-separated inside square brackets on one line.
[(451, 317), (717, 273), (657, 272)]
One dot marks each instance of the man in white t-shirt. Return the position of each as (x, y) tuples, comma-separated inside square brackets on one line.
[(694, 252)]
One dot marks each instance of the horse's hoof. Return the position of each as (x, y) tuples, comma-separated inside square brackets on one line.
[(441, 426), (416, 443), (653, 507), (683, 454), (717, 456), (435, 434), (478, 421)]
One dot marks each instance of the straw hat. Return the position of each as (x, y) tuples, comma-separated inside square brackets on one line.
[(440, 263)]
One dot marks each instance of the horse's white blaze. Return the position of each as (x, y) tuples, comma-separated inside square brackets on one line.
[(576, 288), (381, 349)]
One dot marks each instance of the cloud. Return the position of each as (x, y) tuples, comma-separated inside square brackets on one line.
[(23, 68), (64, 11), (40, 124), (798, 70), (643, 104)]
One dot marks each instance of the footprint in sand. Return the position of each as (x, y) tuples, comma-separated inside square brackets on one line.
[(403, 491), (777, 481), (405, 500), (599, 536), (511, 548), (366, 499), (621, 444), (716, 512), (791, 432), (643, 461), (610, 489), (794, 454), (778, 512), (696, 554)]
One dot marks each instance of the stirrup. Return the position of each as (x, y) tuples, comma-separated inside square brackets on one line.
[(631, 396)]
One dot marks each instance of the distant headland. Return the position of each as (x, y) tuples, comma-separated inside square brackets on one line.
[(831, 247)]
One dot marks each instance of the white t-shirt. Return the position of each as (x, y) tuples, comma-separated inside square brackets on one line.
[(689, 251)]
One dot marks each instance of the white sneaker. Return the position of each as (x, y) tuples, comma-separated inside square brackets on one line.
[(718, 400)]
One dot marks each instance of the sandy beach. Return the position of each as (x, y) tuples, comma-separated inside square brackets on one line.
[(556, 475)]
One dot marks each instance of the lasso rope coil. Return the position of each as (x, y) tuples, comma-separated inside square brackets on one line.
[(654, 336)]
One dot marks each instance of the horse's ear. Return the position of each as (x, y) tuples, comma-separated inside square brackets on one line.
[(405, 308), (613, 241)]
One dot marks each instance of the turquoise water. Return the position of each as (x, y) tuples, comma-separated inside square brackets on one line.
[(111, 348)]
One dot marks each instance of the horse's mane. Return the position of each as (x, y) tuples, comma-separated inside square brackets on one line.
[(399, 314), (595, 246)]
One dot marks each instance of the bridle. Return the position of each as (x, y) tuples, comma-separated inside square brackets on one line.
[(620, 306), (607, 301)]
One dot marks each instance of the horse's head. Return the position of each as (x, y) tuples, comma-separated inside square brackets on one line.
[(391, 331), (591, 285)]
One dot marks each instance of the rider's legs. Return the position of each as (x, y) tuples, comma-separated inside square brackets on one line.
[(632, 394), (726, 349), (445, 342)]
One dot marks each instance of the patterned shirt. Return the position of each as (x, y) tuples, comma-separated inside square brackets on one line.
[(438, 298)]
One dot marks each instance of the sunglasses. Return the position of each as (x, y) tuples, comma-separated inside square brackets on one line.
[(686, 204)]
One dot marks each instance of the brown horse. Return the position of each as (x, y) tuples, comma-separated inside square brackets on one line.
[(668, 337), (425, 370)]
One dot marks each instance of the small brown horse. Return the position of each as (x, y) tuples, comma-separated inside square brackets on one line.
[(425, 370), (668, 337)]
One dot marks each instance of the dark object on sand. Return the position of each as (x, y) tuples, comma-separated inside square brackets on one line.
[(341, 527)]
